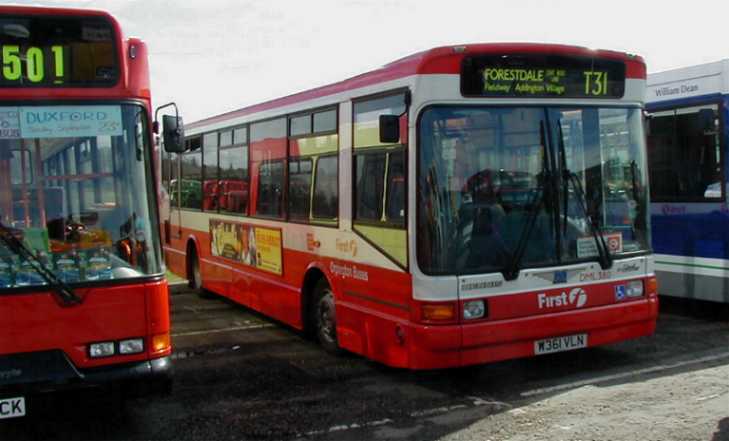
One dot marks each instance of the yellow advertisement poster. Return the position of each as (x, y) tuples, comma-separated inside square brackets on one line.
[(258, 247), (268, 243)]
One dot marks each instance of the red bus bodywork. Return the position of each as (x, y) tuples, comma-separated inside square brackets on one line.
[(45, 345), (380, 317)]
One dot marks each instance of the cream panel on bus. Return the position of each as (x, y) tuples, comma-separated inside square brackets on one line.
[(323, 241), (567, 276)]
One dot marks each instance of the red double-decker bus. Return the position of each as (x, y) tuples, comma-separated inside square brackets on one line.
[(83, 298), (462, 205)]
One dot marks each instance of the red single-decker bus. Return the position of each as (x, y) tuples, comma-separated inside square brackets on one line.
[(83, 298)]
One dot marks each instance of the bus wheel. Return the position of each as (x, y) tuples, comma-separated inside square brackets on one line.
[(325, 317), (195, 276)]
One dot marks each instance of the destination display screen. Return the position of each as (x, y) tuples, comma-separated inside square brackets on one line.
[(542, 76), (44, 51)]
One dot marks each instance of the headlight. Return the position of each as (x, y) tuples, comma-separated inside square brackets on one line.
[(474, 309), (634, 289), (103, 349), (131, 346)]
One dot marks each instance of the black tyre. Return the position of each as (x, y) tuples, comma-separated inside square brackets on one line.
[(195, 276), (325, 317)]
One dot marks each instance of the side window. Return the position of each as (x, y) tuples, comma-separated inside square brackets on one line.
[(233, 184), (685, 155), (325, 121), (270, 188), (226, 138), (379, 180), (268, 143), (313, 167), (395, 204), (210, 172), (326, 189), (300, 125), (300, 171), (172, 180), (191, 177), (369, 188)]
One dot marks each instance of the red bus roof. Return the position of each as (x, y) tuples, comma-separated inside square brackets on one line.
[(44, 10), (440, 60)]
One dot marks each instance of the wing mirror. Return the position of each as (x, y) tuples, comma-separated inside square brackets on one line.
[(173, 132)]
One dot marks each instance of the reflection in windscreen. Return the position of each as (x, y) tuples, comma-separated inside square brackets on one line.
[(490, 178), (78, 193)]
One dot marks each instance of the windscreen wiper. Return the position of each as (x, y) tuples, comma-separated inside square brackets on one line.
[(511, 271), (603, 251), (63, 291)]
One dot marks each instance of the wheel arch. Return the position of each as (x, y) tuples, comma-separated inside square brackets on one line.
[(313, 274)]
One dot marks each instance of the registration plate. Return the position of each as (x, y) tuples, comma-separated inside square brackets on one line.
[(559, 344), (12, 407)]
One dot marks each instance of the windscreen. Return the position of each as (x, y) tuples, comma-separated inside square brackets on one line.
[(76, 189), (45, 51), (555, 179)]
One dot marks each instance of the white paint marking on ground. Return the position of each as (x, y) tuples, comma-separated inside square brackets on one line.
[(475, 402), (634, 373), (342, 427), (437, 410), (478, 401), (217, 331), (710, 397)]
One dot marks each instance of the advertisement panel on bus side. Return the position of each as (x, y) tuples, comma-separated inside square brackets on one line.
[(248, 244)]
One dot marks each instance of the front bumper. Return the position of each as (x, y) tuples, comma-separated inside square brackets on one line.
[(51, 371), (435, 347)]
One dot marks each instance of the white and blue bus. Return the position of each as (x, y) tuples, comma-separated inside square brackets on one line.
[(688, 153)]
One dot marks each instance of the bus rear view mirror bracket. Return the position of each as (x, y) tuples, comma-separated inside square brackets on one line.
[(173, 132), (389, 129), (390, 124)]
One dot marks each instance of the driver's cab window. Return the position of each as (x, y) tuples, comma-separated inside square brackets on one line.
[(379, 175)]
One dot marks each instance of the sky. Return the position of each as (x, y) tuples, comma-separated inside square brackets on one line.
[(213, 56)]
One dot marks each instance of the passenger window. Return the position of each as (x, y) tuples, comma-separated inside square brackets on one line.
[(396, 188), (240, 135), (299, 188), (191, 180), (210, 188), (685, 157), (226, 138), (369, 186), (326, 191), (268, 147), (325, 121), (233, 194), (300, 125), (270, 189)]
